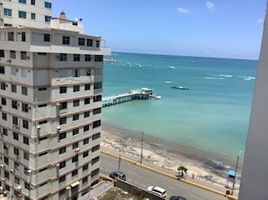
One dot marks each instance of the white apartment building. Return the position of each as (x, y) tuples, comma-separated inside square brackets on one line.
[(50, 103), (254, 182)]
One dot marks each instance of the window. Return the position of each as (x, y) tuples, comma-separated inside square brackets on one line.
[(76, 73), (98, 58), (96, 111), (42, 138), (96, 136), (75, 159), (5, 132), (15, 136), (16, 165), (75, 172), (97, 43), (33, 16), (4, 116), (97, 124), (62, 136), (7, 12), (23, 36), (89, 42), (47, 18), (24, 91), (76, 103), (3, 86), (75, 145), (42, 89), (85, 180), (22, 1), (86, 128), (3, 101), (96, 148), (87, 58), (86, 141), (42, 122), (62, 179), (2, 53), (23, 55), (2, 70), (85, 154), (75, 117), (87, 87), (25, 124), (95, 172), (97, 85), (63, 120), (86, 114), (42, 154), (13, 88), (62, 150), (14, 104), (6, 161), (46, 37), (76, 57), (87, 101), (95, 160), (17, 180), (62, 164), (12, 54), (25, 140), (42, 105), (66, 40), (85, 167), (32, 2), (81, 41), (22, 14), (76, 131), (24, 107), (63, 90), (76, 88), (27, 186), (63, 105), (48, 5), (10, 36)]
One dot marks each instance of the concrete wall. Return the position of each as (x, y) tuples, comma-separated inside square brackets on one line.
[(254, 184)]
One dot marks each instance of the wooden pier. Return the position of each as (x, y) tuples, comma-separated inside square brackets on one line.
[(141, 94)]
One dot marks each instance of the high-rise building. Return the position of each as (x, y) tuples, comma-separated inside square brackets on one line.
[(254, 182), (50, 103)]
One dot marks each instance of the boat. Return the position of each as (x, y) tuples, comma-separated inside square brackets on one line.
[(158, 97), (172, 67), (168, 82), (179, 88)]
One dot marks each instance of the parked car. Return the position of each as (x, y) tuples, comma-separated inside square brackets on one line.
[(119, 175), (177, 198), (158, 191)]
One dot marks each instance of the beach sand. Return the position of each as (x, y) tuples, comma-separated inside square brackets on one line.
[(207, 168)]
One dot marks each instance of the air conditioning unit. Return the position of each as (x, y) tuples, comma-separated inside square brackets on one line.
[(2, 166), (77, 150), (12, 170), (58, 128), (9, 61), (3, 179), (18, 188)]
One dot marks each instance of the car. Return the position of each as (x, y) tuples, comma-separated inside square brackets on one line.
[(119, 175), (177, 198), (158, 191)]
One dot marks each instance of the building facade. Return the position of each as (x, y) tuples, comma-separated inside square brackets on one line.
[(50, 103), (254, 182)]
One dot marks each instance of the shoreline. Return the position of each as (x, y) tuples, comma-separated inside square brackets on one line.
[(203, 166)]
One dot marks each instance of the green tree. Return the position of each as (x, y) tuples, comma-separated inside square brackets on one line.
[(182, 170)]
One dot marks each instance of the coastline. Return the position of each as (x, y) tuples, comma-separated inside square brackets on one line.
[(205, 167)]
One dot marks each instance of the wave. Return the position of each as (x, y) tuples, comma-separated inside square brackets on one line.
[(226, 75), (247, 78), (213, 78)]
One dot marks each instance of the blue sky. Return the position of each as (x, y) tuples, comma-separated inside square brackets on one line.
[(215, 28)]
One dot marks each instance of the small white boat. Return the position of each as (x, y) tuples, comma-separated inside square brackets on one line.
[(168, 82), (172, 67), (158, 97)]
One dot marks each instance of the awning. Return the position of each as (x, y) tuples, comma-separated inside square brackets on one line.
[(75, 184), (231, 174)]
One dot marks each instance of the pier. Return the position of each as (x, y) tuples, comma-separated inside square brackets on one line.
[(141, 94)]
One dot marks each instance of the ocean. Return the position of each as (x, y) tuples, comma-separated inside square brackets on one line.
[(212, 116)]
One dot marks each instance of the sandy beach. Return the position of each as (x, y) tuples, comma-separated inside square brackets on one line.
[(202, 167)]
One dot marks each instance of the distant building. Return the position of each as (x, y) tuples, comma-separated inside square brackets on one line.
[(254, 183), (50, 103)]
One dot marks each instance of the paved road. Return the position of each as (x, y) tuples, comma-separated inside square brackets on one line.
[(144, 178)]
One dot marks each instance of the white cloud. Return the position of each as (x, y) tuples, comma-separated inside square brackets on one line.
[(260, 21), (210, 5), (183, 10)]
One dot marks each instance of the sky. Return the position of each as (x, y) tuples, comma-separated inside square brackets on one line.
[(214, 28)]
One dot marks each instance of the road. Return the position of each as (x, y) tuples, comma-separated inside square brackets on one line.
[(143, 178)]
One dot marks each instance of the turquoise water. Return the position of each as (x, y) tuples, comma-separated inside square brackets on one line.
[(212, 116)]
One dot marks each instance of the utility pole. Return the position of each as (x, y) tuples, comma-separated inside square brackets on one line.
[(142, 139), (119, 162), (236, 167)]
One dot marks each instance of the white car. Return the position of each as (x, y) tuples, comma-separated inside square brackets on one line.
[(158, 191)]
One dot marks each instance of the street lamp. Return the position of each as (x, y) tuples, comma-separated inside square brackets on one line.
[(236, 166)]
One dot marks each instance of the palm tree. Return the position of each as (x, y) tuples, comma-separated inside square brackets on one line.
[(181, 171)]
